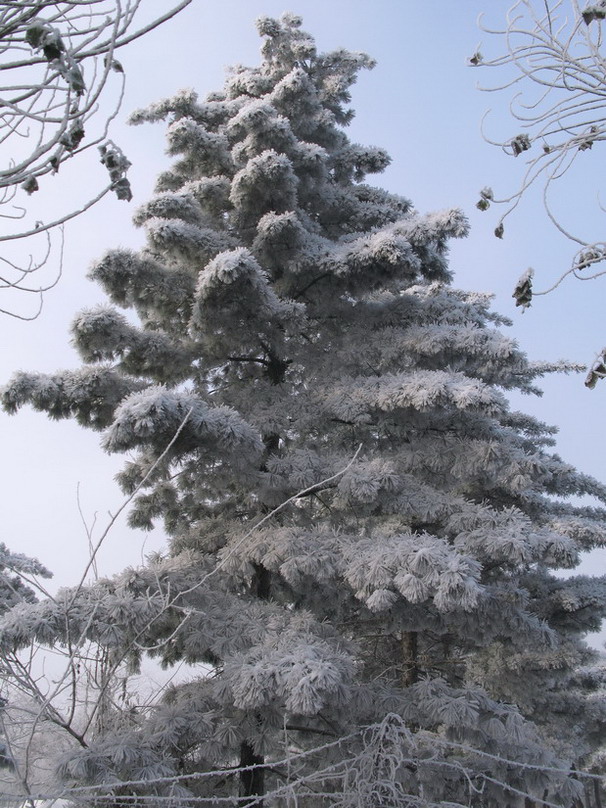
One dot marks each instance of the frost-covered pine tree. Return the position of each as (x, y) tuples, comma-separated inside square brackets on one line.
[(363, 535)]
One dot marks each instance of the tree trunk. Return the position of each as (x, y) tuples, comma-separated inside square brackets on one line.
[(261, 585), (410, 650), (252, 781)]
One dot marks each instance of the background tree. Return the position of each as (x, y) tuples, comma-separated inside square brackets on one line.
[(57, 61), (52, 698), (362, 533), (555, 63), (18, 584)]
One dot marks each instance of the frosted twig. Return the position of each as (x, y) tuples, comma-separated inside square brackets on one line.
[(125, 503), (57, 62), (561, 56)]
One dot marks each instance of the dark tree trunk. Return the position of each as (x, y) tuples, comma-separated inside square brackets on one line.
[(261, 585), (252, 781), (410, 653), (276, 369)]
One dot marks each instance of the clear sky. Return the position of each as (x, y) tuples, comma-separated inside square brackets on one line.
[(422, 105)]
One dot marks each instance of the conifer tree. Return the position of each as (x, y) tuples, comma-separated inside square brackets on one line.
[(363, 534)]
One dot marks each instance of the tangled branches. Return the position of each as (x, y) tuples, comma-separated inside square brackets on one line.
[(553, 47), (57, 64)]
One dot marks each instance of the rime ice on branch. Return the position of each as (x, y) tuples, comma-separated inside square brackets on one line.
[(57, 60), (289, 313)]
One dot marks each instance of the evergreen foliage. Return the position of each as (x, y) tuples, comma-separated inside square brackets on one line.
[(16, 571), (285, 319)]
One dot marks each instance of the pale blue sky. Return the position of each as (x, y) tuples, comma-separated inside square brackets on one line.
[(420, 103)]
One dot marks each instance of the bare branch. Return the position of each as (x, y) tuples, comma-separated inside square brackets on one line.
[(60, 88), (554, 58)]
